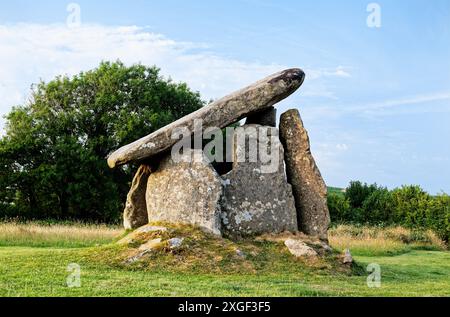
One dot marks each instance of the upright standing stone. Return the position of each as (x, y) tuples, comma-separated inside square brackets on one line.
[(135, 213), (186, 192), (266, 117), (257, 198), (310, 191)]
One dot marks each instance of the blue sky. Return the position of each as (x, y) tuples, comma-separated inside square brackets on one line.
[(376, 101)]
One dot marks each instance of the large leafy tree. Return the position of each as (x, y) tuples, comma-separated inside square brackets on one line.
[(52, 157)]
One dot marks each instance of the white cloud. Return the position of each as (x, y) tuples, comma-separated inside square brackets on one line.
[(377, 108), (438, 102), (31, 52), (342, 147), (339, 71)]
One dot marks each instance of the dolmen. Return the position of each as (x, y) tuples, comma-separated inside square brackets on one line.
[(249, 180)]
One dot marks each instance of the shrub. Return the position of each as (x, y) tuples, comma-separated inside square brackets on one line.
[(378, 207), (438, 216), (339, 207), (410, 206), (358, 192)]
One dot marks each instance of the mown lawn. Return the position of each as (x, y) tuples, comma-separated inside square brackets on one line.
[(42, 271)]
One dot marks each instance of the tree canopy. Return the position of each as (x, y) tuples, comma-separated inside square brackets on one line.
[(53, 153)]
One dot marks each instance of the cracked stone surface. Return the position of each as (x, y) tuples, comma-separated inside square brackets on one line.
[(185, 192), (308, 186), (299, 248), (257, 199)]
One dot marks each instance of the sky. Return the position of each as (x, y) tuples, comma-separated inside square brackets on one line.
[(376, 99)]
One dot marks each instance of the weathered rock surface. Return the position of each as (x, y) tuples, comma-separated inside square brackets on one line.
[(150, 245), (221, 113), (134, 236), (185, 192), (299, 248), (266, 117), (347, 259), (310, 191), (135, 213), (175, 243), (257, 198)]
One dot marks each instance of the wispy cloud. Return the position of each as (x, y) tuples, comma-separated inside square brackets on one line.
[(405, 101), (31, 52), (436, 102)]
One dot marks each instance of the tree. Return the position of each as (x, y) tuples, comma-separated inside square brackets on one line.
[(410, 205), (53, 156), (339, 208), (438, 216)]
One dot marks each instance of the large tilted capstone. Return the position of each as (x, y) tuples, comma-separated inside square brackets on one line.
[(310, 191), (186, 192), (257, 198), (221, 113)]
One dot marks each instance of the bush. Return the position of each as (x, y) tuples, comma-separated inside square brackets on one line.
[(357, 193), (339, 207), (438, 216), (378, 207), (410, 206)]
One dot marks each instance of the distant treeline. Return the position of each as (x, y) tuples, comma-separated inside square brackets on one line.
[(408, 206)]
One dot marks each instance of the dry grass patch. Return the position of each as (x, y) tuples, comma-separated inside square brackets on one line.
[(56, 235), (382, 241)]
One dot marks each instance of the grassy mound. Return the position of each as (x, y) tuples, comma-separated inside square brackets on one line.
[(201, 252)]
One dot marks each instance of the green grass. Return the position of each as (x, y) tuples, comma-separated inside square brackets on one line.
[(42, 271)]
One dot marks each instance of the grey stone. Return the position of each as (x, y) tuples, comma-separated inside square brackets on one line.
[(221, 113), (175, 243), (266, 117), (257, 198), (132, 237), (326, 247), (348, 259), (185, 192), (240, 254), (148, 228), (310, 191), (135, 212), (299, 248), (135, 258)]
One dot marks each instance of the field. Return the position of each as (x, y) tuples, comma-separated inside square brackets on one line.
[(34, 261)]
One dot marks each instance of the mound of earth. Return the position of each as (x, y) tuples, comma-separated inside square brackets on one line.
[(184, 248)]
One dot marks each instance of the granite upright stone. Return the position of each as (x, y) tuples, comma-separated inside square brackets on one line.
[(308, 186), (257, 198), (186, 192)]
